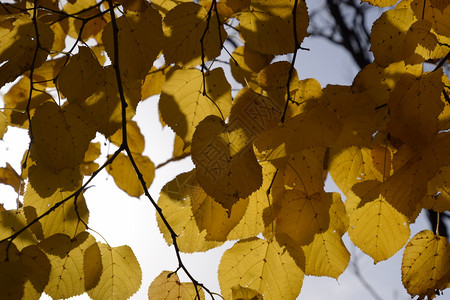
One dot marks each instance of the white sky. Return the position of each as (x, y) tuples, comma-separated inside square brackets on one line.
[(124, 220)]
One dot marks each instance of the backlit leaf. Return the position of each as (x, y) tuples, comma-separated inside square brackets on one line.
[(121, 276), (182, 104), (125, 176), (261, 265), (249, 63), (426, 265), (227, 168), (184, 26), (81, 77), (12, 221), (381, 3), (45, 189), (135, 139), (140, 37), (268, 25), (92, 266), (61, 135), (176, 204), (168, 286), (66, 258), (10, 177)]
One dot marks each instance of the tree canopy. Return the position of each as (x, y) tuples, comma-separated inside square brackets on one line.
[(81, 68)]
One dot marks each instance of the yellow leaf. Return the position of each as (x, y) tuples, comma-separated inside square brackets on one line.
[(378, 229), (3, 124), (260, 265), (17, 99), (45, 189), (140, 37), (121, 276), (414, 105), (435, 11), (426, 265), (182, 104), (163, 6), (350, 165), (254, 113), (326, 255), (238, 5), (243, 293), (268, 25), (226, 166), (10, 177), (37, 267), (304, 170), (135, 139), (302, 216), (81, 77), (184, 26), (12, 221), (125, 176), (177, 201), (89, 166), (438, 197), (104, 107), (252, 223), (61, 136), (92, 266), (388, 36), (167, 286), (315, 127), (12, 277), (246, 63), (18, 40), (66, 257), (309, 90), (381, 3), (376, 83), (153, 82)]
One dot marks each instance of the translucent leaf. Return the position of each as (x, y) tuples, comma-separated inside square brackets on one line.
[(89, 166), (414, 105), (381, 3), (426, 265), (304, 170), (163, 6), (37, 267), (249, 63), (184, 26), (12, 221), (81, 77), (274, 79), (268, 25), (61, 136), (10, 177), (378, 229), (438, 197), (12, 277), (121, 276), (153, 82), (104, 107), (254, 113), (168, 286), (125, 176), (140, 37), (182, 104), (18, 40), (45, 189), (66, 258), (16, 101), (302, 216), (262, 266), (226, 166), (3, 124), (252, 223), (92, 266), (176, 201), (436, 12), (315, 127), (243, 293), (135, 139)]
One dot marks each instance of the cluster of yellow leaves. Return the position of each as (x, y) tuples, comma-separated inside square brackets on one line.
[(261, 156)]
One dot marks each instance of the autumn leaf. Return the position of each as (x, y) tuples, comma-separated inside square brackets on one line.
[(121, 276), (262, 266), (267, 26), (425, 265), (168, 286), (224, 161)]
